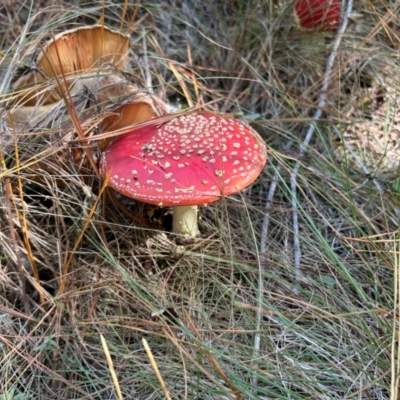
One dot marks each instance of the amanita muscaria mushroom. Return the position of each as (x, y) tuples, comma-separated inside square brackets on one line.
[(184, 161), (90, 58), (318, 14), (70, 53), (129, 106)]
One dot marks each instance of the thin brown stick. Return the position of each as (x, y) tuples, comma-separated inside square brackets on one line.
[(160, 120), (79, 239), (69, 104), (214, 363), (15, 244)]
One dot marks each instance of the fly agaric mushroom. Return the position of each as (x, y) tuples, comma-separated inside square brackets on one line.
[(124, 103), (184, 161), (318, 14), (70, 53), (133, 106), (88, 57)]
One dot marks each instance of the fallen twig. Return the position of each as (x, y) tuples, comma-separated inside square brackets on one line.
[(303, 147), (293, 181)]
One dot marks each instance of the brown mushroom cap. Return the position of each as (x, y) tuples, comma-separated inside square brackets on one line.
[(191, 159), (72, 52)]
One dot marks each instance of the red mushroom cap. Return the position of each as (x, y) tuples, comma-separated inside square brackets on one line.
[(191, 159), (318, 14)]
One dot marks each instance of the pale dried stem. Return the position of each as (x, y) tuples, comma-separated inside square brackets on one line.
[(303, 147), (293, 183)]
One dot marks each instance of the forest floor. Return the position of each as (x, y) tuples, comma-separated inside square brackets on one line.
[(292, 289)]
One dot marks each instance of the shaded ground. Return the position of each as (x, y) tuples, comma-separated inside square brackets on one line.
[(311, 271)]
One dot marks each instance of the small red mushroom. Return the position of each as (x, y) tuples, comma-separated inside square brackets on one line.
[(184, 161), (318, 14)]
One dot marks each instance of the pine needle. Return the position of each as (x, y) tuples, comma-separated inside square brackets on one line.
[(111, 367), (155, 367)]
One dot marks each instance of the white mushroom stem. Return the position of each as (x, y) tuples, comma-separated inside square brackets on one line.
[(185, 220)]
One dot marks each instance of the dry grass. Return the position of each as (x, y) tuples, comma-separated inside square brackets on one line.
[(327, 325)]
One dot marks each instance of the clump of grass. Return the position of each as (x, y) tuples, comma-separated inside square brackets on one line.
[(326, 327)]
